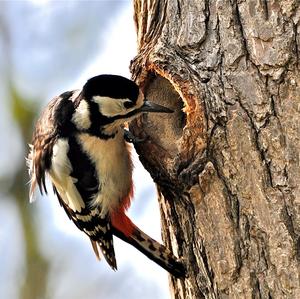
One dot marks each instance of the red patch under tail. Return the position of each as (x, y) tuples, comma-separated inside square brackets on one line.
[(119, 219)]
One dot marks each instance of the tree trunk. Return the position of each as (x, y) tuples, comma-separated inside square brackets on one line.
[(226, 162)]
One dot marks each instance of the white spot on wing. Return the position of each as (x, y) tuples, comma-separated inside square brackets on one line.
[(96, 230), (84, 217), (60, 176)]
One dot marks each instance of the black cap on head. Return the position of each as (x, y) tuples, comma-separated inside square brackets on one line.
[(112, 86)]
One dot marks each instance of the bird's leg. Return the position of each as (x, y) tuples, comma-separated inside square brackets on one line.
[(129, 137)]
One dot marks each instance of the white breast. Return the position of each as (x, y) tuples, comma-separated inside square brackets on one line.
[(113, 164)]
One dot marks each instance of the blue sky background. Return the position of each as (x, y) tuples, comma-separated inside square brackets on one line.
[(47, 47)]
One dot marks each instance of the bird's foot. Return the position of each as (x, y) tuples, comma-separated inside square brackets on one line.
[(129, 137)]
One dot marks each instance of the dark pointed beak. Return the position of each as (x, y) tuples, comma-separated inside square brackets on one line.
[(152, 107)]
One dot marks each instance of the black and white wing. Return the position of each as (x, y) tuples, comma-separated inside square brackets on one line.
[(55, 151), (44, 138)]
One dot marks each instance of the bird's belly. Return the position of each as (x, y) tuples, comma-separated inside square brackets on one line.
[(113, 164)]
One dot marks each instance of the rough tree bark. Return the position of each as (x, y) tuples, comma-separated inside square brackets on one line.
[(226, 163)]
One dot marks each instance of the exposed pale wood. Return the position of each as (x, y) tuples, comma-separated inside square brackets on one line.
[(227, 161)]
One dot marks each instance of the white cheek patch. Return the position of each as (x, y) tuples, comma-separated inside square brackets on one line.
[(111, 107)]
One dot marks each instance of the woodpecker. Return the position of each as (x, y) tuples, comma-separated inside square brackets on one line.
[(81, 145)]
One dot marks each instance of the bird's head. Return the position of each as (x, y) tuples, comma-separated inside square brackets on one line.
[(114, 100), (118, 97)]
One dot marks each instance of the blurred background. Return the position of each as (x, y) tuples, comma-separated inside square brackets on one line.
[(47, 47)]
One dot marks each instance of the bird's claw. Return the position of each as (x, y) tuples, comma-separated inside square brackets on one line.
[(129, 137)]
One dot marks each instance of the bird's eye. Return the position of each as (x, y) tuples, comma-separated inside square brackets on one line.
[(128, 104)]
